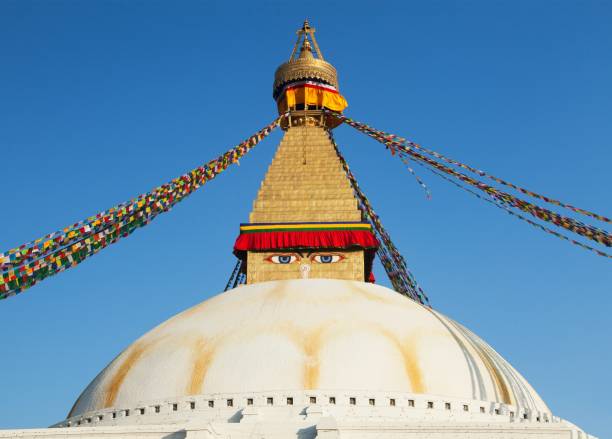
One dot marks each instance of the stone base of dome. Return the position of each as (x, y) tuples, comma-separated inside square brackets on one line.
[(325, 428), (310, 414), (311, 404)]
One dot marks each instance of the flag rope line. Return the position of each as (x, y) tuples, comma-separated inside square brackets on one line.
[(508, 210), (393, 262), (573, 225), (30, 263), (479, 172), (158, 199), (416, 177), (231, 282)]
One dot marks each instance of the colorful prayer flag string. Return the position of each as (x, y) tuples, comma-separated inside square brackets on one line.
[(234, 278), (508, 210), (393, 262), (160, 199), (28, 264), (404, 159), (573, 225), (408, 143)]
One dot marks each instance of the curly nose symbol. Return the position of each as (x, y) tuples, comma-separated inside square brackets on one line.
[(305, 270)]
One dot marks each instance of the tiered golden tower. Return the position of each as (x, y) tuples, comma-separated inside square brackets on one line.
[(305, 221)]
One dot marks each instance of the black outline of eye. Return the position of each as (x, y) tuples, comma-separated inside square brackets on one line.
[(291, 255), (340, 257)]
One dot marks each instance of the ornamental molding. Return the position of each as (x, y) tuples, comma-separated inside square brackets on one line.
[(305, 69)]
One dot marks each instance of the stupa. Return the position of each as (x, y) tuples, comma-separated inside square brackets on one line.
[(309, 346)]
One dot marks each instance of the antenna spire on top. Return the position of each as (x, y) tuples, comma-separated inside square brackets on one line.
[(303, 35)]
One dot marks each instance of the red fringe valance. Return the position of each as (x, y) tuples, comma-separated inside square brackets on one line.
[(286, 240)]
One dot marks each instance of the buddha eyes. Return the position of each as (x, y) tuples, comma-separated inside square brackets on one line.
[(324, 258), (282, 259), (318, 258)]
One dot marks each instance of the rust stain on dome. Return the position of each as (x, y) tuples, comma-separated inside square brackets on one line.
[(309, 342), (278, 291), (311, 345), (487, 358), (496, 376), (203, 354), (408, 350), (132, 355)]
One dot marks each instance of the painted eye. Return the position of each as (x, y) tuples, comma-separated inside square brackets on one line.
[(282, 259), (327, 258)]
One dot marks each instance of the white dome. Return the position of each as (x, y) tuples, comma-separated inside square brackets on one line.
[(307, 335)]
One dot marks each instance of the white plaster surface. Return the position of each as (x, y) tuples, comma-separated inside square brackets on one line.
[(354, 359), (308, 334)]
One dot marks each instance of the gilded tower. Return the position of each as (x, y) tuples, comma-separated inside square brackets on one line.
[(305, 221)]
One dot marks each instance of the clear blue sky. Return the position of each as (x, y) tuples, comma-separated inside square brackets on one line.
[(103, 100)]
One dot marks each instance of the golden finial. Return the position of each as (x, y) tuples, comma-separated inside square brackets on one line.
[(303, 34), (305, 66), (306, 51)]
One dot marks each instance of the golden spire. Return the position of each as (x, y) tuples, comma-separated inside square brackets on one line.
[(305, 66), (306, 221), (303, 33), (306, 51)]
